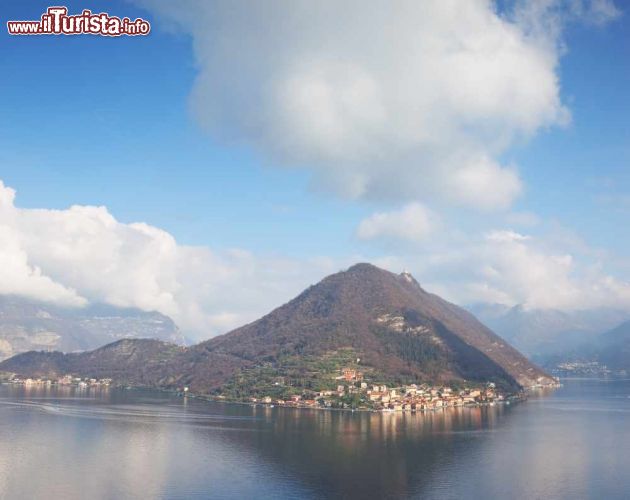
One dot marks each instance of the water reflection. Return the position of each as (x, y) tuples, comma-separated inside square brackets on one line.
[(363, 455), (99, 443)]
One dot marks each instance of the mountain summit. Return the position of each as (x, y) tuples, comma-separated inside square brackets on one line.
[(390, 322), (384, 322)]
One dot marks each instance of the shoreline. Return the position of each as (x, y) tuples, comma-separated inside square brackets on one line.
[(507, 400)]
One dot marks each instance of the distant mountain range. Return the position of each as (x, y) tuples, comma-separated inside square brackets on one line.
[(384, 324), (612, 348), (29, 325), (544, 333)]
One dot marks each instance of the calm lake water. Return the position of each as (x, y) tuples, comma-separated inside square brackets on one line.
[(71, 444)]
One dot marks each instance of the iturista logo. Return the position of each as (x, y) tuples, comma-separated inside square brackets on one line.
[(56, 21)]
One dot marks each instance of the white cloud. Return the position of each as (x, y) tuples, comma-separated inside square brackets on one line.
[(484, 184), (81, 254), (414, 101), (413, 222), (510, 268), (17, 275), (545, 19)]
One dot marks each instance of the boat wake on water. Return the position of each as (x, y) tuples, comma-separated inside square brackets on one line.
[(130, 413)]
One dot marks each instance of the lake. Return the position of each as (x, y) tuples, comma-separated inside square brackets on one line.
[(66, 443)]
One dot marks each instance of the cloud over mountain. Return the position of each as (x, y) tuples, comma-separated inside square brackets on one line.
[(83, 254), (511, 268)]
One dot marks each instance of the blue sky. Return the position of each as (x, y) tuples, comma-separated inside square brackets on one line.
[(89, 120)]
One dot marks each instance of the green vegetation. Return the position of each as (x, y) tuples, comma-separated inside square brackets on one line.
[(415, 349), (293, 375), (352, 401)]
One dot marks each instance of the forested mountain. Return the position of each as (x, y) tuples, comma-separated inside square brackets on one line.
[(384, 323)]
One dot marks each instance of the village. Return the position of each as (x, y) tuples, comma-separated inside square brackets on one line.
[(353, 392), (586, 369), (66, 380)]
